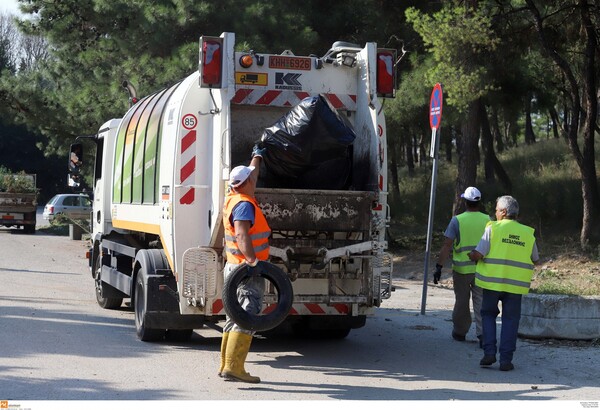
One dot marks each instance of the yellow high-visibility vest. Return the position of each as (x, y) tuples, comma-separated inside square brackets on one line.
[(508, 266), (470, 226)]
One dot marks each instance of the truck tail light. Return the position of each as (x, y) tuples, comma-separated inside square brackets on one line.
[(211, 62), (386, 73)]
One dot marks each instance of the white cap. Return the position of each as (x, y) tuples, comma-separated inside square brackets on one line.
[(239, 174), (471, 194)]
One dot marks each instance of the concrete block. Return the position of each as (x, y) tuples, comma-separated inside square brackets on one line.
[(560, 317)]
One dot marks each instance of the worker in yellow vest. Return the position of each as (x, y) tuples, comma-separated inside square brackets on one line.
[(505, 258), (246, 241), (461, 236)]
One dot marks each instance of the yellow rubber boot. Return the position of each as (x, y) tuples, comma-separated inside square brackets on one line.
[(223, 350), (238, 346)]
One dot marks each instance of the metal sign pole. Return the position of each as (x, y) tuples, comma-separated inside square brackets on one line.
[(435, 120), (435, 138)]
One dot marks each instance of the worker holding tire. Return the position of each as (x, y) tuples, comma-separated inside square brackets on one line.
[(246, 241)]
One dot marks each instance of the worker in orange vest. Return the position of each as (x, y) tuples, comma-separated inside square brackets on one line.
[(246, 241)]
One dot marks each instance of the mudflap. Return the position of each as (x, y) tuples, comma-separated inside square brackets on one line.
[(163, 305)]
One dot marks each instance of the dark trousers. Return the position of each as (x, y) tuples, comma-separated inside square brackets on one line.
[(511, 315)]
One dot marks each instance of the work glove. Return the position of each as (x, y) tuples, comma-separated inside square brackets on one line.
[(258, 150), (437, 274)]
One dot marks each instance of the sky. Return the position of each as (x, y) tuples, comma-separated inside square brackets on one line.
[(11, 6)]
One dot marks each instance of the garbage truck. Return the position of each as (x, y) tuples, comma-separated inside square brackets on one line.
[(160, 180)]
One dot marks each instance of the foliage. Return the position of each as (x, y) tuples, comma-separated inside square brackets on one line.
[(16, 182), (457, 37), (479, 50), (547, 192)]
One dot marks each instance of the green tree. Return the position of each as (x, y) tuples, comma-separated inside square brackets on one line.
[(568, 34), (458, 36)]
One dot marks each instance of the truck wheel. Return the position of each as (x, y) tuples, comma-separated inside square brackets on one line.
[(105, 303), (249, 321), (30, 229), (144, 333)]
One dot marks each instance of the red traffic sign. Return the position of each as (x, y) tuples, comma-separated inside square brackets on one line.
[(435, 106)]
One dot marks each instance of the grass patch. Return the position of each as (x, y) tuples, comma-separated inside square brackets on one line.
[(59, 226), (547, 185), (55, 229)]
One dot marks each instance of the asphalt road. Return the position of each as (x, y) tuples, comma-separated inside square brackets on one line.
[(56, 343)]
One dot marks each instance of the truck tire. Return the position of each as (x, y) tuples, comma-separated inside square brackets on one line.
[(249, 321), (140, 302), (104, 302), (29, 229)]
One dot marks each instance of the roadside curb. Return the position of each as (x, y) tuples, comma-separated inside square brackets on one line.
[(560, 317)]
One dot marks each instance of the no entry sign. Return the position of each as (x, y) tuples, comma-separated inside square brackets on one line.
[(435, 106)]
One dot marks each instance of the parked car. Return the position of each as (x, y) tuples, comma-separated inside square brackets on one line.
[(74, 206)]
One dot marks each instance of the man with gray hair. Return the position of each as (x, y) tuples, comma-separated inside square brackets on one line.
[(505, 257)]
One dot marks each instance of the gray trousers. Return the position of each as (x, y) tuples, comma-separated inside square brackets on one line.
[(249, 295), (464, 291)]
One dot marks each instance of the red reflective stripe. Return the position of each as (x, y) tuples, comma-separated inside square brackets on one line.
[(302, 95), (188, 140), (241, 95), (268, 97), (188, 169), (342, 308), (314, 308), (269, 309), (335, 101), (188, 197), (217, 306)]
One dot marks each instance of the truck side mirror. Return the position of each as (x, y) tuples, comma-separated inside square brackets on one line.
[(74, 166), (75, 158)]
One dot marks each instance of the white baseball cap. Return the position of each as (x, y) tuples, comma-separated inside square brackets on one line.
[(471, 194), (239, 174)]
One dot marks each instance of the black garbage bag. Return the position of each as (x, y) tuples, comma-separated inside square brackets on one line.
[(309, 148)]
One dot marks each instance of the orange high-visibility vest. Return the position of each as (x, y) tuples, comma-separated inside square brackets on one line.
[(259, 232)]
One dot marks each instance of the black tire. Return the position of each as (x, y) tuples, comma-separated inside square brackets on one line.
[(29, 229), (249, 321), (104, 302), (143, 332)]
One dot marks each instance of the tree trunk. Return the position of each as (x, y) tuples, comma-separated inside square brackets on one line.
[(415, 149), (410, 159), (589, 178), (529, 134), (468, 153), (422, 150), (555, 122), (491, 160), (496, 133)]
